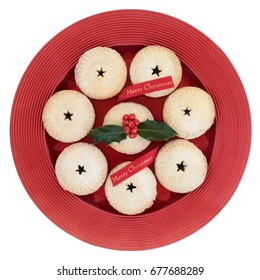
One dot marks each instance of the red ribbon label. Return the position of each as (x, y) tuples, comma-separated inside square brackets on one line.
[(145, 87), (133, 167)]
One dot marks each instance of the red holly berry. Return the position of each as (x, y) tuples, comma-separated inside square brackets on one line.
[(125, 122), (136, 122), (131, 117), (134, 130), (127, 129), (132, 135), (130, 124), (125, 117)]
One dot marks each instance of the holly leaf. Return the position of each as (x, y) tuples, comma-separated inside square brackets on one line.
[(108, 134), (155, 131)]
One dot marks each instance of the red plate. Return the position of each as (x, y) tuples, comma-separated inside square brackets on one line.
[(172, 217)]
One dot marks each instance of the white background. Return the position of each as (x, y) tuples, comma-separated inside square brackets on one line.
[(31, 246)]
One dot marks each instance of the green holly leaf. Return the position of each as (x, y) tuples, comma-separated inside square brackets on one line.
[(108, 134), (155, 131)]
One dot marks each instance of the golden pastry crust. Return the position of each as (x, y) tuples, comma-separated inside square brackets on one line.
[(100, 73), (81, 168), (68, 116), (153, 62), (135, 194), (190, 111), (180, 166)]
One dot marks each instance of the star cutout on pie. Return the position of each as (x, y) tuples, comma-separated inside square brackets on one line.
[(156, 71), (130, 187), (187, 111), (101, 72), (80, 169), (181, 166), (68, 116)]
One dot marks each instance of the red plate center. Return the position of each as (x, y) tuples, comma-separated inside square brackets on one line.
[(155, 105)]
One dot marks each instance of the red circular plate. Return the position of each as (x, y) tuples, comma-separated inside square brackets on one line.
[(172, 217)]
